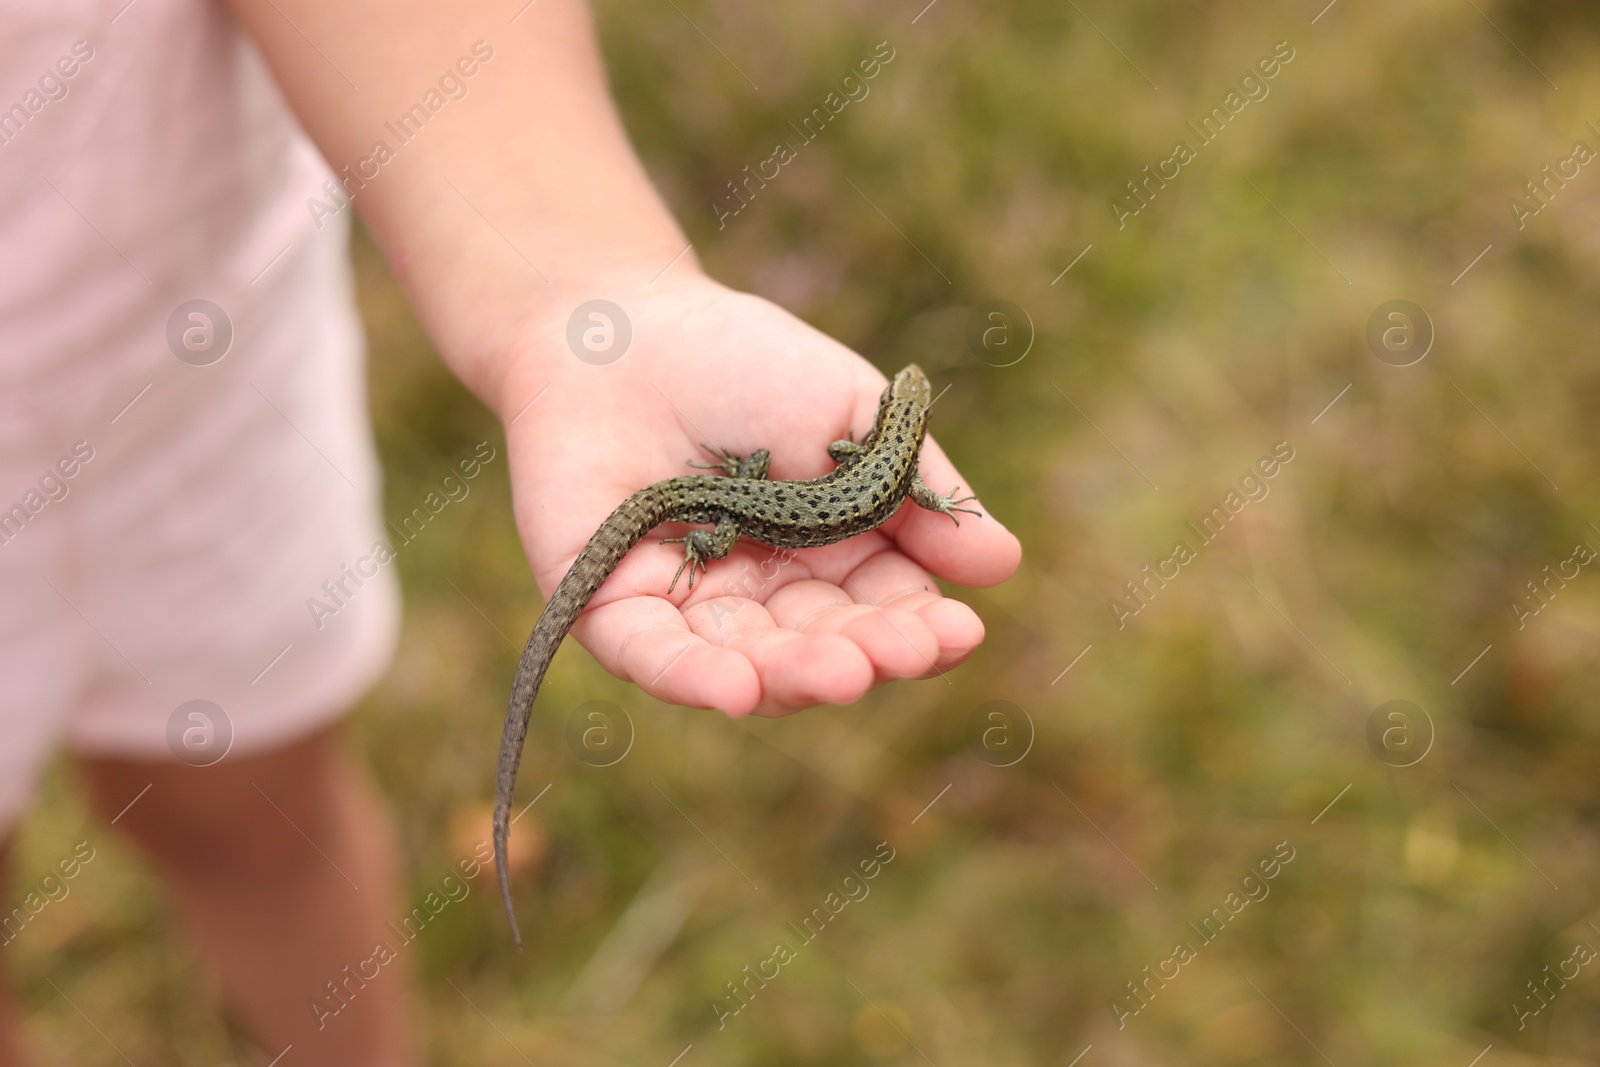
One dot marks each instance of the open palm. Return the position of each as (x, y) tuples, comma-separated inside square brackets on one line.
[(763, 631)]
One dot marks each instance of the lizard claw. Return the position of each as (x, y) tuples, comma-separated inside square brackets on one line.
[(948, 505), (924, 497), (691, 559), (727, 462)]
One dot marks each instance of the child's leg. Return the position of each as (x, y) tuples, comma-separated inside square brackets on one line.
[(284, 868), (10, 1037)]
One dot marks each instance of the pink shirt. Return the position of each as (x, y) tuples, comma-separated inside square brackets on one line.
[(146, 158), (167, 515)]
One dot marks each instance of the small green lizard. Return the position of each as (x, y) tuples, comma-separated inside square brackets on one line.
[(867, 487)]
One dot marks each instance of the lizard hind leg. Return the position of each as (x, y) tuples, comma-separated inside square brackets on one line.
[(700, 546), (924, 497)]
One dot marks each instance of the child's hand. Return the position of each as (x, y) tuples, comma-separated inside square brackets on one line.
[(761, 632), (506, 190)]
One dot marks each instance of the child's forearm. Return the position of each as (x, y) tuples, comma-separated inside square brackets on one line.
[(527, 174)]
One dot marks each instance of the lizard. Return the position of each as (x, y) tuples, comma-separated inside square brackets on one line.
[(869, 484)]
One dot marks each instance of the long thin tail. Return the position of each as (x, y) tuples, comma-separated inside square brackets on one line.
[(634, 518)]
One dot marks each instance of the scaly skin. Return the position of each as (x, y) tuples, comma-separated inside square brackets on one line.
[(867, 487)]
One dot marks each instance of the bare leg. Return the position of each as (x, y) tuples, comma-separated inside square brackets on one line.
[(11, 1052), (284, 867)]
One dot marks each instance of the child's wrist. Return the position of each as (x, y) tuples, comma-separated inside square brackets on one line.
[(580, 321)]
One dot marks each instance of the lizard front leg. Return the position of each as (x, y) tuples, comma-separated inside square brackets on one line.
[(840, 451), (924, 497), (699, 546), (755, 465), (920, 494)]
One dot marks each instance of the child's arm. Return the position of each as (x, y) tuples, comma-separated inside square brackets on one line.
[(517, 202)]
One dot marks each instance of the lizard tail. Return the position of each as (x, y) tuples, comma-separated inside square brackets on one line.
[(626, 527)]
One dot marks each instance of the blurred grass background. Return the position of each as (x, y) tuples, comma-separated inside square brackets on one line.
[(1178, 751)]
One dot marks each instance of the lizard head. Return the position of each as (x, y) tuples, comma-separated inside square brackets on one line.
[(904, 402), (909, 385)]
